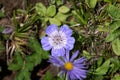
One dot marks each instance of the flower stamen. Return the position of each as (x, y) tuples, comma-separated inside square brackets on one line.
[(68, 66)]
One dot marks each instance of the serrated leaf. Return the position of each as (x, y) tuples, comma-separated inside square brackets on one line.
[(48, 76), (55, 21), (91, 3), (113, 35), (113, 11), (51, 11), (116, 46), (64, 9), (40, 9), (102, 70), (17, 62)]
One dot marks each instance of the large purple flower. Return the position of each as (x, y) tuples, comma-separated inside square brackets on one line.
[(74, 69), (58, 40)]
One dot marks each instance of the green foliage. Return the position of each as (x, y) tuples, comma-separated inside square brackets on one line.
[(113, 35), (116, 46), (51, 11), (102, 70), (48, 76), (50, 14), (64, 9), (113, 11), (116, 77), (17, 63), (91, 3), (95, 25), (40, 9), (25, 64)]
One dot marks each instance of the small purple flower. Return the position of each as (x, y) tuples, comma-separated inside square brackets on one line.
[(74, 69), (7, 30), (58, 40)]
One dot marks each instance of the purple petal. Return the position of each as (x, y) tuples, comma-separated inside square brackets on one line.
[(58, 52), (51, 28), (70, 43), (80, 66), (7, 30), (67, 56), (79, 73), (66, 30), (74, 56), (79, 61), (71, 75), (45, 43), (56, 61)]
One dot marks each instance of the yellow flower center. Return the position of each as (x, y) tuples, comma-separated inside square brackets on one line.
[(68, 66)]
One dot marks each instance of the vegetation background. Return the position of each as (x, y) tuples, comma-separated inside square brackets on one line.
[(95, 25)]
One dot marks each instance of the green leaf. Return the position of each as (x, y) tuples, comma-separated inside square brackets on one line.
[(116, 77), (55, 21), (91, 3), (113, 11), (114, 25), (79, 17), (48, 76), (116, 46), (113, 35), (102, 28), (61, 17), (59, 2), (17, 62), (110, 1), (99, 61), (40, 9), (64, 9), (115, 65), (86, 54), (23, 74), (102, 70), (51, 11)]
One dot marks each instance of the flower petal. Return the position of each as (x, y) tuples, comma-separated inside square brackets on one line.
[(70, 43), (74, 56), (67, 56), (7, 30), (56, 61), (51, 28), (79, 61), (79, 73), (58, 52), (45, 43), (66, 30)]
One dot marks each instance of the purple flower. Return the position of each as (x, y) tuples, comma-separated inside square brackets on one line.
[(74, 69), (7, 30), (58, 40)]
